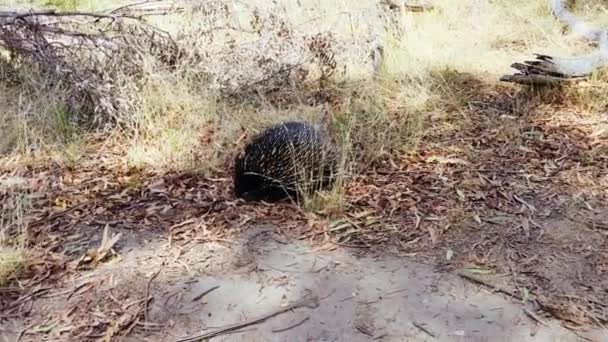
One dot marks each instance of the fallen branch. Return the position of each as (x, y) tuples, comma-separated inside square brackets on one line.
[(12, 16), (77, 48), (423, 329), (130, 11), (549, 70), (198, 297), (308, 301), (495, 288)]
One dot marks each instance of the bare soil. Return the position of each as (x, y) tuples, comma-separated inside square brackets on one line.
[(208, 286)]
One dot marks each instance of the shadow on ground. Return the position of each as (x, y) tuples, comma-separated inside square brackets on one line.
[(358, 299)]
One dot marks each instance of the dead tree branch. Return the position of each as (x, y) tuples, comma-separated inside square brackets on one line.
[(87, 52), (547, 70)]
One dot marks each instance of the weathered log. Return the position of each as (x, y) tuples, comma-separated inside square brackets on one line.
[(550, 70)]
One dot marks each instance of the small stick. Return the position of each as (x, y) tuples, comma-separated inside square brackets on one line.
[(348, 245), (24, 331), (496, 288), (205, 293), (291, 326), (73, 208), (364, 330), (146, 309), (62, 212), (310, 302), (145, 2), (78, 288), (425, 330), (22, 299), (535, 317)]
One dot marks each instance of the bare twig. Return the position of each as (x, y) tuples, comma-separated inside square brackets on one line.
[(480, 281), (63, 212), (146, 309), (32, 294), (308, 301), (535, 317), (291, 326), (130, 6), (423, 329), (364, 330), (196, 298), (54, 13)]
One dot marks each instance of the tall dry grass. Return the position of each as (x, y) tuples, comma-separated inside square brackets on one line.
[(234, 82), (14, 205)]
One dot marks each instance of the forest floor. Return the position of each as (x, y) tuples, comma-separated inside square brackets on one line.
[(474, 210), (496, 226)]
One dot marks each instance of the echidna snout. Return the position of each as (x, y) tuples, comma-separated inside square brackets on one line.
[(286, 160)]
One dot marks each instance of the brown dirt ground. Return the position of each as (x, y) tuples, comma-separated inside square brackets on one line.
[(207, 286), (514, 194)]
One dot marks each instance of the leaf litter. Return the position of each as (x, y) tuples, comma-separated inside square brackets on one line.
[(523, 196)]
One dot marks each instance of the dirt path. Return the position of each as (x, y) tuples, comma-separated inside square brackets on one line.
[(358, 298)]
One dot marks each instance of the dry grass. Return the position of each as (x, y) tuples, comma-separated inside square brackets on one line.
[(11, 262), (14, 207), (180, 120), (32, 120)]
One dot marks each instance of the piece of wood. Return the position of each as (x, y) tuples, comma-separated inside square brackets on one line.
[(200, 296), (551, 70), (538, 80), (423, 329), (478, 280), (308, 301)]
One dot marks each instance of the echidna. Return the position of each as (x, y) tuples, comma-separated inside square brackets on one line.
[(286, 160)]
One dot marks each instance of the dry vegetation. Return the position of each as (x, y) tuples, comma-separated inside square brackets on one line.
[(436, 151)]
